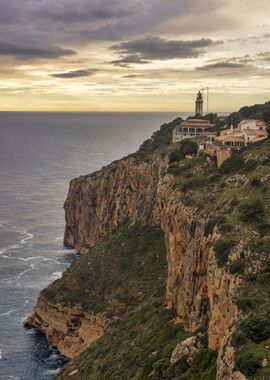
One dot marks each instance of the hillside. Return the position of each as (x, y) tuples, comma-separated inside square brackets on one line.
[(173, 280)]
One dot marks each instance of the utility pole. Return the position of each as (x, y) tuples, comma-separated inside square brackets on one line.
[(207, 96)]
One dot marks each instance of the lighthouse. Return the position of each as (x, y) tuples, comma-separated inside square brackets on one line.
[(199, 104)]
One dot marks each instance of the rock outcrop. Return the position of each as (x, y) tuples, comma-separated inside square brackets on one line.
[(71, 330)]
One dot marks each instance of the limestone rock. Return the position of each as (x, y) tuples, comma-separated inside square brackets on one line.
[(186, 348)]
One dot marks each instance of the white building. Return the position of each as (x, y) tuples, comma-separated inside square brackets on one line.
[(255, 125), (248, 131), (190, 128)]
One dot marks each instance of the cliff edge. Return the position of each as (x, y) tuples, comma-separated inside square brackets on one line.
[(215, 227)]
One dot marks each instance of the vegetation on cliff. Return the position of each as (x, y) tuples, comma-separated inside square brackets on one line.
[(116, 275), (124, 276)]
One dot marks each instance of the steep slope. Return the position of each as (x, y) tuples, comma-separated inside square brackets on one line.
[(216, 231)]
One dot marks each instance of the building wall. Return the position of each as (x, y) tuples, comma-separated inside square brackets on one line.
[(222, 156)]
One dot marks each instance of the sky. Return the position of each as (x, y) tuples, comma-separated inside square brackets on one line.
[(133, 55)]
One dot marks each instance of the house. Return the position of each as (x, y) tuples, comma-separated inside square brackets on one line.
[(256, 125), (190, 128), (248, 131)]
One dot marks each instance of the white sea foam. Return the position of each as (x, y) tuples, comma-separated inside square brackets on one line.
[(55, 275), (8, 312), (52, 371), (28, 237), (26, 259), (9, 280)]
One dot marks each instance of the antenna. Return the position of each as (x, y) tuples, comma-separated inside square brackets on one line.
[(207, 94)]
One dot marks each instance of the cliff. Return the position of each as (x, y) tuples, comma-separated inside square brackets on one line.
[(215, 226), (71, 330), (143, 192)]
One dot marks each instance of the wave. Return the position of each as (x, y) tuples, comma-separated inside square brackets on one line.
[(26, 259), (55, 276), (8, 312), (52, 371), (9, 280), (28, 237)]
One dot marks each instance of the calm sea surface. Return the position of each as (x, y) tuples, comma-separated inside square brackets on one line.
[(39, 154)]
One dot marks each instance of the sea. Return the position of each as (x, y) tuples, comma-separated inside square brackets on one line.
[(39, 154)]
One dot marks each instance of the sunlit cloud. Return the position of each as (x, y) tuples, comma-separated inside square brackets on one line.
[(138, 55)]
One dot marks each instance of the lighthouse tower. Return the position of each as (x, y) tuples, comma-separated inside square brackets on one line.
[(199, 104)]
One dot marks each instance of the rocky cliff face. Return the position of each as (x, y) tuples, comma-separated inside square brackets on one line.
[(71, 330), (98, 203), (197, 288)]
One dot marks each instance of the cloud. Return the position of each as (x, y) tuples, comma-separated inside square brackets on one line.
[(222, 65), (32, 49), (129, 59), (72, 11), (143, 50), (265, 56), (74, 74)]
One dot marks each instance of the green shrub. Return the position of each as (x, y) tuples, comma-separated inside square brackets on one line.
[(225, 227), (239, 338), (174, 170), (233, 164), (176, 156), (221, 222), (203, 366), (256, 182), (222, 249), (159, 139), (188, 147), (184, 147), (194, 183), (264, 278), (258, 328), (250, 165), (247, 362), (245, 303), (237, 267), (252, 212)]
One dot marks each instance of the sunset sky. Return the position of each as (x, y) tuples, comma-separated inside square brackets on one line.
[(133, 55)]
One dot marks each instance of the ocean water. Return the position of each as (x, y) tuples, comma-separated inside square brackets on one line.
[(39, 154)]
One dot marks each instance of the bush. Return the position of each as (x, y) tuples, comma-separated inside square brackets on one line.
[(222, 249), (184, 148), (174, 170), (239, 338), (252, 212), (203, 366), (247, 362), (245, 303), (233, 164), (237, 267), (258, 328), (189, 147), (194, 183), (176, 156), (256, 182)]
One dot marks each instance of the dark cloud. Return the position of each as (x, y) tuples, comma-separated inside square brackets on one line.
[(74, 74), (129, 59), (151, 48), (73, 11), (32, 49), (222, 65), (265, 56)]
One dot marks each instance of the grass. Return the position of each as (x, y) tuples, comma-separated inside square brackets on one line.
[(252, 338), (136, 346), (123, 271)]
